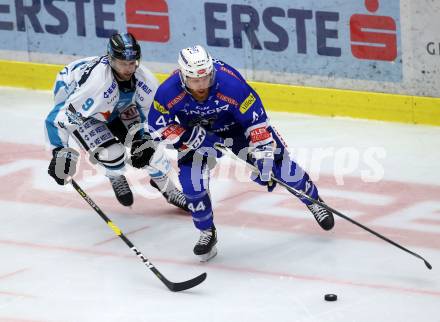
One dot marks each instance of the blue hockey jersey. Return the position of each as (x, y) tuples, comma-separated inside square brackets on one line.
[(232, 109)]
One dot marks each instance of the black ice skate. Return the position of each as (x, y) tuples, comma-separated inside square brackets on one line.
[(122, 190), (323, 216), (174, 196), (205, 248)]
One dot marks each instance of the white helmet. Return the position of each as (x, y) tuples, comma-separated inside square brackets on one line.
[(195, 62)]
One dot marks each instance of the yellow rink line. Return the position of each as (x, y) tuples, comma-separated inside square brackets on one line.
[(277, 97)]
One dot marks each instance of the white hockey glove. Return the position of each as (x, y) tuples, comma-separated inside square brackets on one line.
[(264, 160)]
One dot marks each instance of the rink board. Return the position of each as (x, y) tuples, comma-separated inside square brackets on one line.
[(277, 97)]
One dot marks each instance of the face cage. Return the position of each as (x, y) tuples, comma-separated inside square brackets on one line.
[(183, 79)]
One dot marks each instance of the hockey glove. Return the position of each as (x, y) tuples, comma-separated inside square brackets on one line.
[(202, 141), (63, 164), (142, 151), (264, 160)]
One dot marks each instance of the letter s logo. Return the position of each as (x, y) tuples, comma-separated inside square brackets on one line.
[(373, 37), (148, 20)]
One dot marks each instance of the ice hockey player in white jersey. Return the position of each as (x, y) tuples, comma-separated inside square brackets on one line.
[(102, 103)]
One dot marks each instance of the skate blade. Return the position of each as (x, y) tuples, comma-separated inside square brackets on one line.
[(206, 257)]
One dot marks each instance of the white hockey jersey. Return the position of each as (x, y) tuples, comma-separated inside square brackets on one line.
[(87, 88)]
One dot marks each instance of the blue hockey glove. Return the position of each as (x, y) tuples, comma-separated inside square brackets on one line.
[(264, 160), (203, 141), (63, 164)]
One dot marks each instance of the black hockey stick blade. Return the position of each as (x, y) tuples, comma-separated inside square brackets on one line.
[(427, 264), (182, 286)]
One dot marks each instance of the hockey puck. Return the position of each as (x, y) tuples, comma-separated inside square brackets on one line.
[(330, 297)]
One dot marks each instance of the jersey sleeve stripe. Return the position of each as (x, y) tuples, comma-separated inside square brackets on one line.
[(52, 130)]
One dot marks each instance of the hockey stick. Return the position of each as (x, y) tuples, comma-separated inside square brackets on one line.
[(175, 287), (299, 193)]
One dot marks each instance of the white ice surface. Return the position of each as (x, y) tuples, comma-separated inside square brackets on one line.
[(61, 262)]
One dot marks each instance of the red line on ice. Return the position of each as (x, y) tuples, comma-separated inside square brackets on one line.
[(13, 273)]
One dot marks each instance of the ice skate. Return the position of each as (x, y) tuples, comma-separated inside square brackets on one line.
[(323, 216), (122, 190), (173, 196), (205, 248)]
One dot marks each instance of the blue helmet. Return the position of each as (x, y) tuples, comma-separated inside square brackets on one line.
[(124, 47)]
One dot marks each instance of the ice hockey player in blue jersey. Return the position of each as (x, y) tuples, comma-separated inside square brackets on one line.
[(206, 102), (102, 103)]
